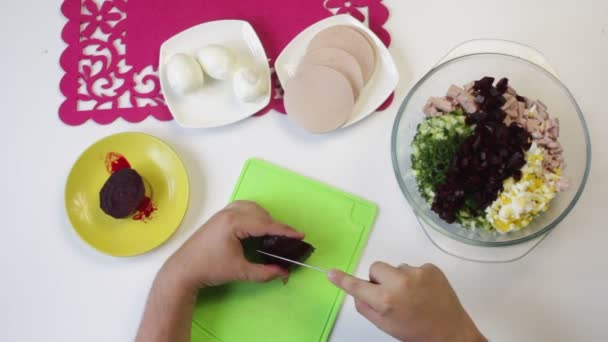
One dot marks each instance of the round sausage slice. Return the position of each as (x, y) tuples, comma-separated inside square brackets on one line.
[(350, 40), (318, 99), (338, 60)]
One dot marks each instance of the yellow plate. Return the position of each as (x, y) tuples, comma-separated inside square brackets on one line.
[(164, 172)]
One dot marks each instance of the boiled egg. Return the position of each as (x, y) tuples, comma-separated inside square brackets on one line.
[(249, 84), (184, 74), (217, 61)]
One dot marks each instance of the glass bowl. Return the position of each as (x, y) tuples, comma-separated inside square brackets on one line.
[(529, 79)]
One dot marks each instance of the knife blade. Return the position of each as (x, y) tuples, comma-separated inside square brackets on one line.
[(294, 262)]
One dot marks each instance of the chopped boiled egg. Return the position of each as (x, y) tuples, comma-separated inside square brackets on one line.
[(521, 201)]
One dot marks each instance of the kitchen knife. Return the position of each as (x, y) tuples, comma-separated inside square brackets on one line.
[(294, 262)]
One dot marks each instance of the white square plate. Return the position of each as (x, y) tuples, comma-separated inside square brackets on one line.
[(378, 88), (215, 104)]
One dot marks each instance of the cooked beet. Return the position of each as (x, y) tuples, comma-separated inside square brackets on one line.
[(493, 153), (484, 84), (502, 85), (285, 247), (122, 193)]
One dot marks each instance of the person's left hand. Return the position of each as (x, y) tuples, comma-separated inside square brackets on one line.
[(214, 254)]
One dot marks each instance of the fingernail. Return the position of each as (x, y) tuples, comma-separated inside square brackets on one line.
[(333, 275)]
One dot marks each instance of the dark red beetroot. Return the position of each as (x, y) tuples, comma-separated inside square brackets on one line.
[(122, 193), (493, 153), (285, 247)]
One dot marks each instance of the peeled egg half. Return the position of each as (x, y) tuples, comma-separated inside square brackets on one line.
[(249, 84), (184, 74), (217, 61)]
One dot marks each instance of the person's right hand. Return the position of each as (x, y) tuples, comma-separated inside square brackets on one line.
[(410, 303)]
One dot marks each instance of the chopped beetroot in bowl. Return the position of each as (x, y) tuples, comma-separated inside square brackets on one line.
[(429, 162), (504, 125)]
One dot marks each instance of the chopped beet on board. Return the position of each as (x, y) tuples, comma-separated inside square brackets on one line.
[(285, 247), (493, 153)]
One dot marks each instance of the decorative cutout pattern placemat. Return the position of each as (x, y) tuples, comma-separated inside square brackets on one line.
[(111, 61)]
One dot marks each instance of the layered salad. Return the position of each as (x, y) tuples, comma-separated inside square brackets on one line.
[(486, 157)]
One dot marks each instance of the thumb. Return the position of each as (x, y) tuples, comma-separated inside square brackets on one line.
[(348, 283), (260, 273), (358, 288)]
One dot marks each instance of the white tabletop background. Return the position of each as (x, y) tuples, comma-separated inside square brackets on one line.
[(54, 287)]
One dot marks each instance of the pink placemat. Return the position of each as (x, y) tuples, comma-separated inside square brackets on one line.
[(111, 61)]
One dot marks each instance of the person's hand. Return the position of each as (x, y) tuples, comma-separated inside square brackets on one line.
[(214, 254), (410, 303)]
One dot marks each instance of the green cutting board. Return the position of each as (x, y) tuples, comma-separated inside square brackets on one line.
[(305, 309)]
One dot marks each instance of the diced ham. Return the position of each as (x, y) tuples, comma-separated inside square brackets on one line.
[(553, 132), (543, 140), (521, 108), (556, 151), (469, 87), (553, 144), (534, 125), (536, 135), (551, 163), (443, 104), (467, 101), (511, 103), (508, 96), (429, 109), (512, 113), (454, 91), (552, 123), (540, 104)]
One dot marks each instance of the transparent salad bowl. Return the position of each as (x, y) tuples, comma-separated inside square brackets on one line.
[(531, 76)]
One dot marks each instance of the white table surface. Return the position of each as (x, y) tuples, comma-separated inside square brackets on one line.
[(54, 287)]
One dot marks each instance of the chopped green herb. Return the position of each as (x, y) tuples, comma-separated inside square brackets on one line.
[(433, 148), (434, 145)]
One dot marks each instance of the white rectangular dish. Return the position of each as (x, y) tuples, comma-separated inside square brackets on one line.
[(215, 104)]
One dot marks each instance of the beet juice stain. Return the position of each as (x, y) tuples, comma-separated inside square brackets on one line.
[(145, 210), (115, 161)]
